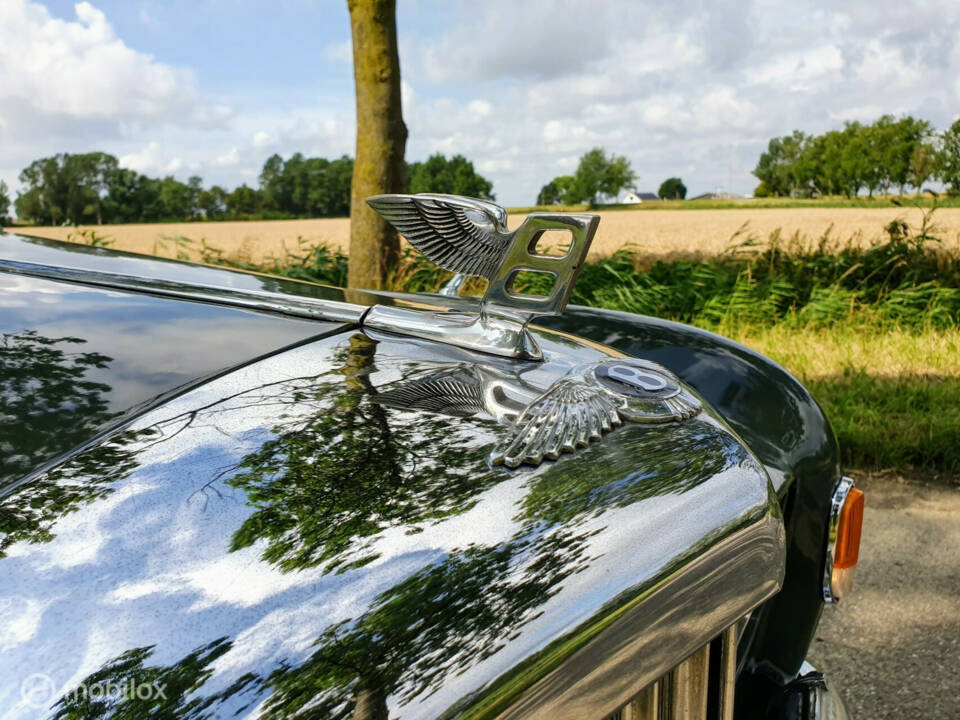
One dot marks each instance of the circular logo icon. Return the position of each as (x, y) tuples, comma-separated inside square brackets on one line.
[(636, 380), (37, 690)]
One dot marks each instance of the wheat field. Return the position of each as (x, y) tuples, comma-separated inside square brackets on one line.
[(655, 232)]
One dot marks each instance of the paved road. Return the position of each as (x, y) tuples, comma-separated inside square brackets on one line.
[(895, 643)]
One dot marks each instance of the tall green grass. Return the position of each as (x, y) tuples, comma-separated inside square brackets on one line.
[(892, 395), (907, 280)]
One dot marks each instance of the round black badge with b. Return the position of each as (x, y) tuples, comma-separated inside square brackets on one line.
[(636, 380)]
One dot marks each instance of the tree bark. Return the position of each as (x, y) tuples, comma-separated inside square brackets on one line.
[(381, 140)]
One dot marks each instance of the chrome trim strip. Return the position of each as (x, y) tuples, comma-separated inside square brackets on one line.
[(728, 670), (836, 583), (690, 686), (262, 300), (673, 619), (700, 687)]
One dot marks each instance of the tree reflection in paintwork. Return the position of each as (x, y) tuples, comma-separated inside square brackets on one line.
[(668, 458), (30, 513), (342, 473), (47, 405), (126, 688), (438, 622), (429, 627)]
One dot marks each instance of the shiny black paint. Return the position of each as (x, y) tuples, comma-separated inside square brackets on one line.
[(130, 349), (780, 421), (281, 535)]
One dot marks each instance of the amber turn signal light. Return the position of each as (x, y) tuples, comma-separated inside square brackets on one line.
[(843, 540), (847, 551)]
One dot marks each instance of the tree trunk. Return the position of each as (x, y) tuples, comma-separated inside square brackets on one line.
[(370, 703), (381, 140)]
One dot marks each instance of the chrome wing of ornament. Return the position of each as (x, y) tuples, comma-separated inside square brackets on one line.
[(470, 236), (593, 400)]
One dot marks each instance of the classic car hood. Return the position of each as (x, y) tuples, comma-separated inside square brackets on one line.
[(323, 529)]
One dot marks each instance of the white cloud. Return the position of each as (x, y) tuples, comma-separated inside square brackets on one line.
[(81, 69), (144, 159), (480, 108), (672, 87), (22, 620), (152, 159), (263, 139)]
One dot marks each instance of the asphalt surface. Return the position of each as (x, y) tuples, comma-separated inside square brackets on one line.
[(893, 646)]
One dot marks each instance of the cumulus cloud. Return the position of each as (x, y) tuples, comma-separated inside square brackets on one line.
[(229, 159), (522, 89), (81, 69), (74, 85), (676, 88)]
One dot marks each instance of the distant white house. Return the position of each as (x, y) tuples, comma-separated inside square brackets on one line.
[(717, 196), (632, 197)]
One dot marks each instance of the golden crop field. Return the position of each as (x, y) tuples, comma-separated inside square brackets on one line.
[(651, 231)]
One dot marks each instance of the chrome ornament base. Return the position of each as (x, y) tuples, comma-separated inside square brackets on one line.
[(483, 332)]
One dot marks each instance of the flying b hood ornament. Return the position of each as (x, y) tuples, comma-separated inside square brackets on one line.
[(470, 236)]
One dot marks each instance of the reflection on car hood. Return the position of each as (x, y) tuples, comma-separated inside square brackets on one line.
[(76, 359), (295, 536)]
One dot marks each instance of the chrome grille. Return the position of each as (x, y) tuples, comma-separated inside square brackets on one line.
[(699, 688)]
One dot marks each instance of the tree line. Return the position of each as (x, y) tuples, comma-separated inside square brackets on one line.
[(92, 188), (888, 153)]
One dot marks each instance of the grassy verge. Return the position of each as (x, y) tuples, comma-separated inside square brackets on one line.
[(892, 395)]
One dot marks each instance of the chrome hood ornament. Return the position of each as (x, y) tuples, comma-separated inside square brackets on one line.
[(470, 236)]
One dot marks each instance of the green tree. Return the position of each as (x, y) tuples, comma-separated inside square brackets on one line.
[(243, 201), (923, 164), (212, 203), (910, 134), (549, 194), (96, 171), (672, 189), (44, 199), (4, 204), (948, 157), (599, 174), (66, 188), (780, 168), (455, 176), (558, 191), (381, 140)]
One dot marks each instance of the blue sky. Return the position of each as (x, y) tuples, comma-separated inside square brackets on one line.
[(212, 87)]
